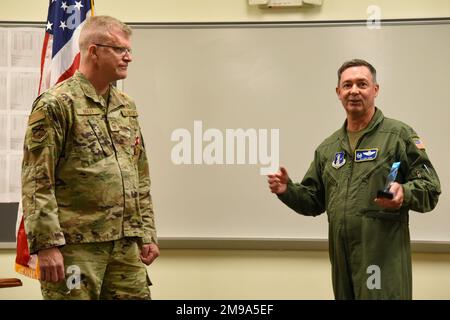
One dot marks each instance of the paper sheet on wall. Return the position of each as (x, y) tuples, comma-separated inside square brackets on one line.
[(20, 50), (3, 47)]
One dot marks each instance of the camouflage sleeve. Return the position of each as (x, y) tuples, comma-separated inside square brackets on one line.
[(145, 198), (422, 187), (43, 143)]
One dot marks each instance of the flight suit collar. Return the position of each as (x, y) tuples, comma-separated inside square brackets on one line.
[(376, 119)]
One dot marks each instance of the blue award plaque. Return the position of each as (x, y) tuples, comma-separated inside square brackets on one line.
[(385, 193)]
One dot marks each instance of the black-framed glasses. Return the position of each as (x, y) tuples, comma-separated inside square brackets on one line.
[(119, 50)]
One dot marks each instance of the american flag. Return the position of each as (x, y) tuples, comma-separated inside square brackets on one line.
[(59, 60), (60, 53)]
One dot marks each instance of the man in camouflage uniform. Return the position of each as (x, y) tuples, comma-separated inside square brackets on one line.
[(85, 178), (369, 239)]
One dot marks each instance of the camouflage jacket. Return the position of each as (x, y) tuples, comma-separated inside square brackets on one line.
[(85, 175)]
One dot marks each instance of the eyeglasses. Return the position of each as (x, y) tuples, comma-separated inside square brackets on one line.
[(119, 50)]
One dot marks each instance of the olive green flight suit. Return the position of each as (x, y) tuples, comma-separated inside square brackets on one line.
[(369, 246)]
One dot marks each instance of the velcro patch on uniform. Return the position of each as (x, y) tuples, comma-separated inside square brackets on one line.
[(129, 113), (362, 155), (113, 126), (339, 160), (88, 112), (36, 116), (418, 142), (125, 133), (38, 133)]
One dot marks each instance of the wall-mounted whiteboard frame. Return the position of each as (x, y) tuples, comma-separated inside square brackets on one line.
[(233, 79), (277, 75)]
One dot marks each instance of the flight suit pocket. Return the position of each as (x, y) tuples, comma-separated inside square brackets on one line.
[(385, 215), (372, 181), (331, 189)]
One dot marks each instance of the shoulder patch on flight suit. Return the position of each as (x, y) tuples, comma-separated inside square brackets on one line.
[(129, 113), (87, 112), (418, 142), (36, 116)]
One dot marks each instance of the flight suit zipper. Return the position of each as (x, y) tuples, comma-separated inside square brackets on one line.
[(351, 164), (349, 180)]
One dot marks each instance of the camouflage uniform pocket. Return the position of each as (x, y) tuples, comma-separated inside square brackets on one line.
[(90, 143), (124, 130), (105, 143)]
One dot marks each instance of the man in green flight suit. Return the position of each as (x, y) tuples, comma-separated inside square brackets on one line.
[(369, 242), (85, 179)]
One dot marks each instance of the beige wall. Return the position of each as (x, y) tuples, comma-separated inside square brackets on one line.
[(243, 274), (232, 10), (250, 274)]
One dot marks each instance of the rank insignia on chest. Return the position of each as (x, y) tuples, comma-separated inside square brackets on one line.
[(339, 160), (362, 155)]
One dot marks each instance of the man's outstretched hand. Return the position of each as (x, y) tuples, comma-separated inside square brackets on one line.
[(278, 181)]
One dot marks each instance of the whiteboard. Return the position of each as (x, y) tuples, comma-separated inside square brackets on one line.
[(281, 77)]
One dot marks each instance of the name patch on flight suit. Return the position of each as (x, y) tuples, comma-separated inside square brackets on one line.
[(339, 160), (362, 155)]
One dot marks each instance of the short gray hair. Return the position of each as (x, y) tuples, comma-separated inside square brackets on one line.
[(357, 63), (96, 29)]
